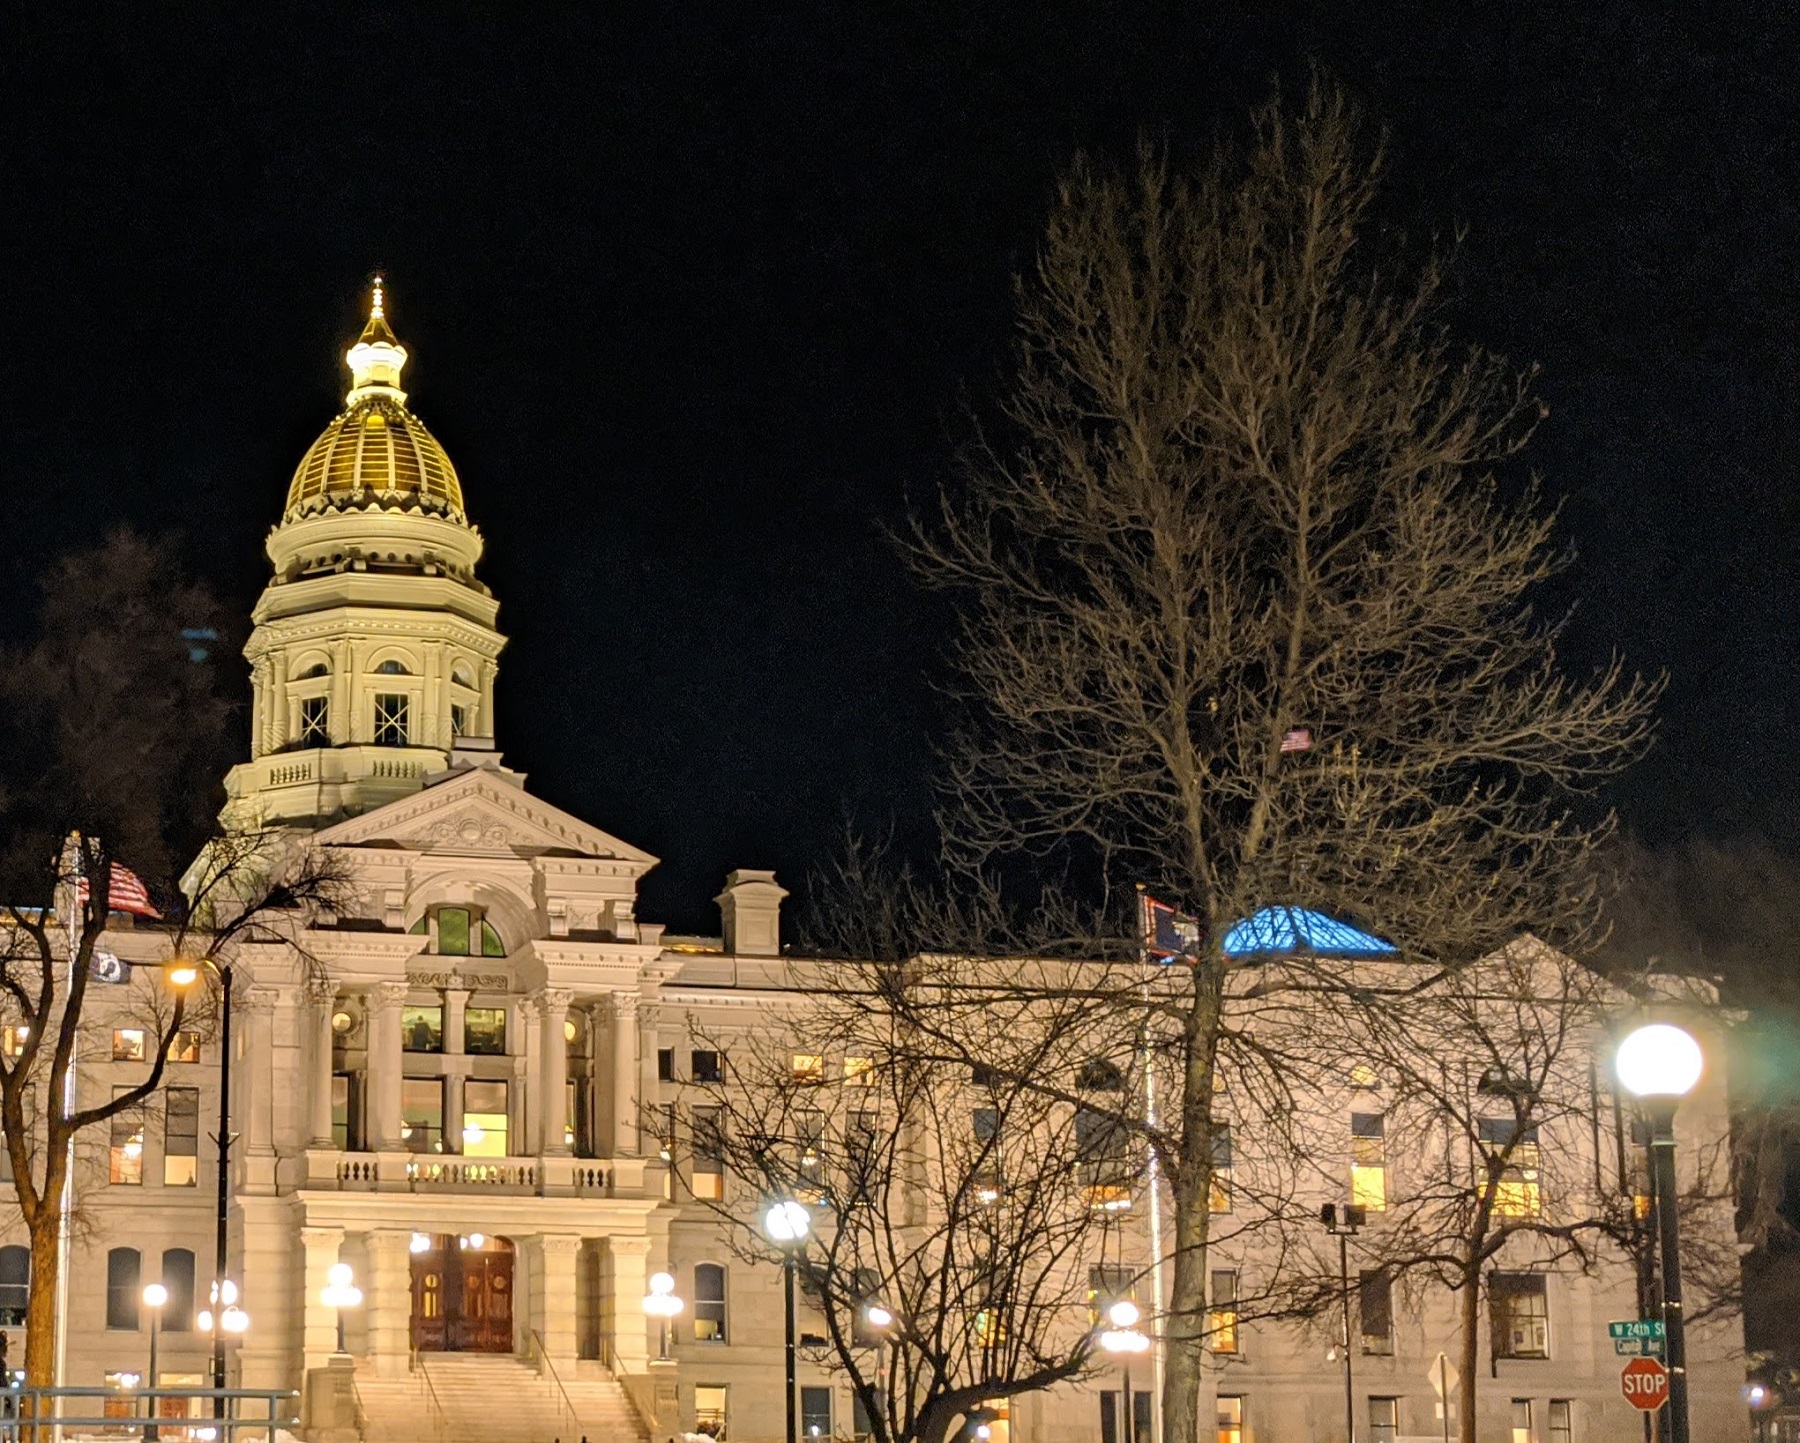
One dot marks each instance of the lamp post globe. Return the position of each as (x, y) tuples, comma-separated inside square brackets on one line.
[(787, 1222), (1660, 1060), (662, 1304)]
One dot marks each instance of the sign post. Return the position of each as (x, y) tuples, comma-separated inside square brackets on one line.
[(1645, 1384), (1444, 1377)]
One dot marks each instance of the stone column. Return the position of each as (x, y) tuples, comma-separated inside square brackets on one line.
[(628, 1270), (488, 669), (342, 727), (256, 1007), (526, 1123), (320, 1322), (259, 709), (625, 1075), (389, 1301), (553, 1068), (385, 1000), (321, 999), (456, 1066), (554, 1317)]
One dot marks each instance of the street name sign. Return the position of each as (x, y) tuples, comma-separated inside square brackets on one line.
[(1645, 1384), (1637, 1337)]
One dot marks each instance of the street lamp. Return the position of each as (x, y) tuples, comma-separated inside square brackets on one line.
[(184, 973), (1659, 1065), (662, 1304), (155, 1296), (1344, 1223), (787, 1224), (224, 1318), (341, 1292), (1123, 1340)]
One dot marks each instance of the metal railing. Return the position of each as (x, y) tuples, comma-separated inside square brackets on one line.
[(440, 1421), (610, 1360), (543, 1357), (27, 1413)]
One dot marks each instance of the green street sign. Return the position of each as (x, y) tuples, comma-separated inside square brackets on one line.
[(1636, 1328)]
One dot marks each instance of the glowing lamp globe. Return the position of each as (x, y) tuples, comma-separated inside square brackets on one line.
[(1659, 1060), (1123, 1314), (155, 1295), (787, 1222), (878, 1316)]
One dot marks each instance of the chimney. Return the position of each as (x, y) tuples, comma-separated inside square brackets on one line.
[(750, 907)]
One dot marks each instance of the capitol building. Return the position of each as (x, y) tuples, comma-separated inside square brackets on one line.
[(445, 1087)]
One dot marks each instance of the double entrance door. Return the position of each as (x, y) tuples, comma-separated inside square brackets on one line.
[(462, 1295)]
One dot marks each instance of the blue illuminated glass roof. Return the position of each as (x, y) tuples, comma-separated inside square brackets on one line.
[(1278, 930)]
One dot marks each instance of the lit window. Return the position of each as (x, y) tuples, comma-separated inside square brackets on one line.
[(807, 1067), (422, 1114), (315, 730), (128, 1044), (1222, 1318), (184, 1046), (1517, 1192), (709, 1310), (859, 1072), (1103, 1151), (1384, 1420), (990, 1329), (1375, 1302), (1368, 1161), (13, 1040), (126, 1158), (1219, 1200), (986, 1181), (709, 1411), (392, 712), (422, 1029), (181, 1137), (709, 1154), (484, 1031), (810, 1154), (484, 1118), (1521, 1421), (1521, 1315), (1364, 1076), (453, 931), (1562, 1421), (815, 1412), (1231, 1419)]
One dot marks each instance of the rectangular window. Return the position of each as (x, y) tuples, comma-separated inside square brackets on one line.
[(453, 931), (123, 1269), (1110, 1430), (459, 721), (13, 1040), (391, 717), (709, 1303), (128, 1044), (1517, 1193), (126, 1160), (1231, 1419), (709, 1155), (346, 1112), (422, 1114), (807, 1067), (484, 1118), (1375, 1304), (1520, 1304), (1219, 1200), (815, 1412), (1384, 1420), (1099, 1075), (1368, 1161), (809, 1127), (859, 1072), (422, 1029), (665, 1064), (181, 1137), (314, 717), (484, 1031), (1106, 1285), (709, 1411), (184, 1046), (706, 1065), (987, 1180), (1521, 1421), (1562, 1421), (118, 1402), (862, 1429), (1222, 1318)]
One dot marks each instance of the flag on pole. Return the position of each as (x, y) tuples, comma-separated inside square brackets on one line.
[(125, 893), (1298, 740), (1168, 933)]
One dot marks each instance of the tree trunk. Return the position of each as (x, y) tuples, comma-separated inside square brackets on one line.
[(40, 1303), (1470, 1345)]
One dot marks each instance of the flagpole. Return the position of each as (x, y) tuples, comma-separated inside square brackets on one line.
[(67, 1204)]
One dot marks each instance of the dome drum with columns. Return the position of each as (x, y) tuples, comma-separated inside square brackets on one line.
[(375, 650)]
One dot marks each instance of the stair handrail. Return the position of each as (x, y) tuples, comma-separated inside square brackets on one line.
[(609, 1359), (440, 1420), (543, 1356)]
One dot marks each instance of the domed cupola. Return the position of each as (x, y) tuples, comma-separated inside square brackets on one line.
[(374, 652)]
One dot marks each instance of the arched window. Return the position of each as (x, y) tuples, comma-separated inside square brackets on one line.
[(318, 668), (178, 1278), (462, 675), (15, 1285), (709, 1303), (462, 932), (124, 1266), (390, 667)]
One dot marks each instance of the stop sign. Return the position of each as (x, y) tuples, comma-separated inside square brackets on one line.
[(1645, 1384)]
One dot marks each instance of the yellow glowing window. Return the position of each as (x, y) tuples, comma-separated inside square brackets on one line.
[(1368, 1161), (13, 1040), (1231, 1419), (1517, 1190), (484, 1129), (128, 1044), (859, 1072), (990, 1329), (808, 1067), (184, 1047), (1222, 1318)]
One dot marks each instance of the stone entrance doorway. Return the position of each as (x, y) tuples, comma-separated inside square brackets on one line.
[(462, 1292)]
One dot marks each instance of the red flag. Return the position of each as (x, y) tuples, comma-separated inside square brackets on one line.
[(1298, 740), (125, 893)]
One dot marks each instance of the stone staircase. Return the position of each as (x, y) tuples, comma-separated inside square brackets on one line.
[(489, 1398)]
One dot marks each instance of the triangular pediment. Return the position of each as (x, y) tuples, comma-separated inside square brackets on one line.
[(480, 813)]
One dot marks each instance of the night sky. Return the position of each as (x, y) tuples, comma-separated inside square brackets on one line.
[(695, 299)]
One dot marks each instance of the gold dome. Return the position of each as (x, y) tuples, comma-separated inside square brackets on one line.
[(376, 453)]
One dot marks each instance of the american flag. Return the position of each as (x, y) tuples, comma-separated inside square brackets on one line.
[(1298, 740), (125, 893)]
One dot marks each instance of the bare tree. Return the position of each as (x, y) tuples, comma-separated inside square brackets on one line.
[(964, 1207), (1247, 613)]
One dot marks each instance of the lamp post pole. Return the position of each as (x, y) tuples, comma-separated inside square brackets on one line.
[(222, 1202), (1344, 1223), (793, 1413), (154, 1297), (787, 1224)]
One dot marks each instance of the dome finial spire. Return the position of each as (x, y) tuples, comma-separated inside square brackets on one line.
[(377, 358)]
